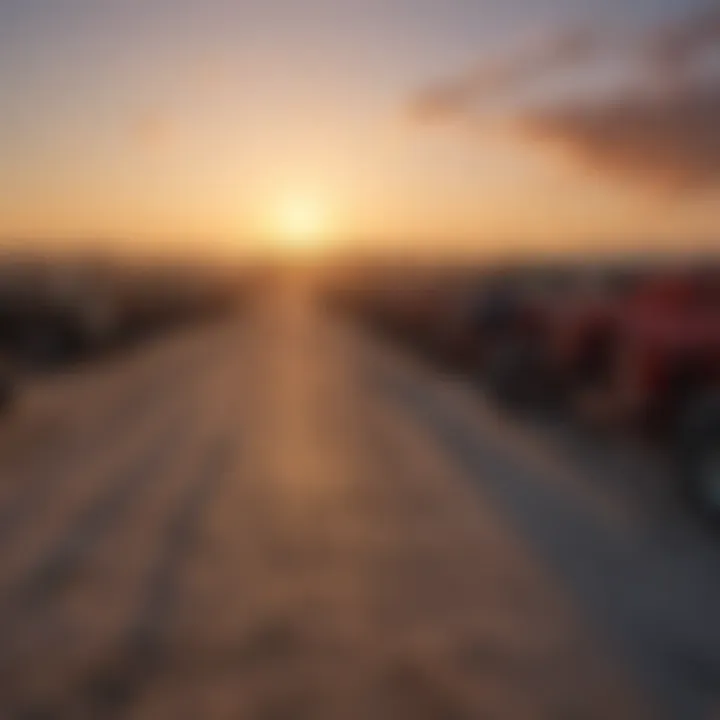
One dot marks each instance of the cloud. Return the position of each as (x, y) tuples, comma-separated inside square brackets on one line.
[(657, 134), (457, 96), (669, 140), (675, 48)]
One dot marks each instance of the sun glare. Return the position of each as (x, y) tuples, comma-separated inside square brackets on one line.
[(301, 225)]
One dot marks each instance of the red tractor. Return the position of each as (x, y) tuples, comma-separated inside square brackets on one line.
[(661, 367), (640, 346)]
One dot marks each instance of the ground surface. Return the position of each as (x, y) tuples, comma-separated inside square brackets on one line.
[(275, 517)]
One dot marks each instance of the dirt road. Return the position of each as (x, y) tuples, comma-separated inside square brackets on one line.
[(274, 517)]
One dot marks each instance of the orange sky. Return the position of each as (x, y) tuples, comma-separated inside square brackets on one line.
[(177, 121)]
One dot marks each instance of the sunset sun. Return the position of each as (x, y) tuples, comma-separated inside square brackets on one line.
[(301, 224)]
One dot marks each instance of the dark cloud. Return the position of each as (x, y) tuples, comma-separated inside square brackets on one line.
[(675, 48), (668, 140), (457, 96), (662, 134)]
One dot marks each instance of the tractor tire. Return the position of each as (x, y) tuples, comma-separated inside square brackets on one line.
[(698, 445)]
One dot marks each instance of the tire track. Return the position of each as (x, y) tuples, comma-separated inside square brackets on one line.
[(40, 477), (56, 568), (131, 458), (41, 483), (146, 652), (82, 588)]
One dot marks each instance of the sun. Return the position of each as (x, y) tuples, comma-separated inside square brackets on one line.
[(301, 225)]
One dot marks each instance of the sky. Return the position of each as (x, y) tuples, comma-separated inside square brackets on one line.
[(464, 125)]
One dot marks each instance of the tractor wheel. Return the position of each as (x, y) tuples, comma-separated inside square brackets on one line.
[(699, 454)]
